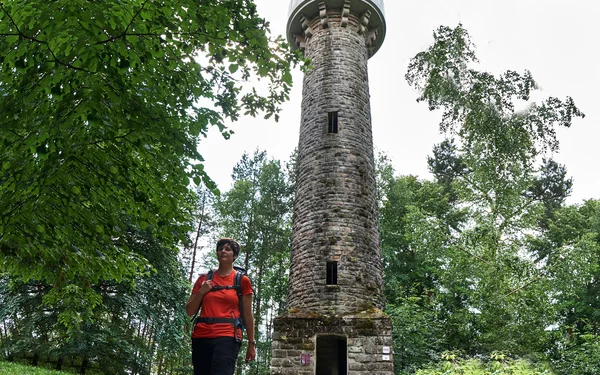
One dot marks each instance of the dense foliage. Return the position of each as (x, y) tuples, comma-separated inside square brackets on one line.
[(138, 327), (102, 105), (487, 257)]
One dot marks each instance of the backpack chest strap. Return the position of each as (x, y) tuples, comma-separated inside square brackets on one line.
[(223, 287)]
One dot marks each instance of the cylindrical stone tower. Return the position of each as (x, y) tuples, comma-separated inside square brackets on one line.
[(334, 323)]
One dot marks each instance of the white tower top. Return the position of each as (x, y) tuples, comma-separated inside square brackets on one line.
[(310, 8)]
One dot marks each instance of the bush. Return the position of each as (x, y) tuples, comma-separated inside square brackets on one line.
[(582, 357), (496, 364), (8, 368)]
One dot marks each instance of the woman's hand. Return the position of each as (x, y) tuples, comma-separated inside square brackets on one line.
[(206, 287), (251, 352)]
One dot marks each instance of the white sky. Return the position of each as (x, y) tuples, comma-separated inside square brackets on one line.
[(553, 39)]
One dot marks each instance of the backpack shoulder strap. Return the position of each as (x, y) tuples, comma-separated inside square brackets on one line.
[(209, 276), (237, 284)]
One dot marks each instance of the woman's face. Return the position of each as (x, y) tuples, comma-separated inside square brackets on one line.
[(226, 253)]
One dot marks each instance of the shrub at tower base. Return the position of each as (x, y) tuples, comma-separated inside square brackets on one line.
[(497, 364)]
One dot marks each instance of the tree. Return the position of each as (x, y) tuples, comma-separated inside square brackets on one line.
[(102, 105), (134, 330), (570, 246), (257, 212), (416, 232), (495, 183), (205, 224)]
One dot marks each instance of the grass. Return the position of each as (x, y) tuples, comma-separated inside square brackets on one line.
[(8, 368)]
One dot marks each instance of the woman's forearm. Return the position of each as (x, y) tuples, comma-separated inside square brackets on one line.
[(193, 304)]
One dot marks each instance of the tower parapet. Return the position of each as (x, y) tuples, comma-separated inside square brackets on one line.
[(371, 24)]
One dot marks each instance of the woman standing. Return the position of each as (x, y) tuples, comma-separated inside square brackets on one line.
[(217, 335)]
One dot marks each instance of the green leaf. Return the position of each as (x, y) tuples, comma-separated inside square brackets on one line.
[(287, 77)]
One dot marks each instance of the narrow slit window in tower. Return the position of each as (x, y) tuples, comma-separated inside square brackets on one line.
[(331, 273), (332, 122), (332, 355)]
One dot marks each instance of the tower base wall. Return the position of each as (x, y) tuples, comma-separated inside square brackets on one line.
[(368, 339)]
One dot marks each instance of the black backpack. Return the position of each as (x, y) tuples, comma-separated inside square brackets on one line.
[(237, 285)]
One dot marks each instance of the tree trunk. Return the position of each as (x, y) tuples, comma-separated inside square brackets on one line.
[(258, 298), (200, 222), (160, 362), (84, 366)]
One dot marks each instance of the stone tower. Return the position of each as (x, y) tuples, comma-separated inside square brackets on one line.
[(334, 323)]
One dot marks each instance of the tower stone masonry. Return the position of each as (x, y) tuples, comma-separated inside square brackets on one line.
[(334, 323)]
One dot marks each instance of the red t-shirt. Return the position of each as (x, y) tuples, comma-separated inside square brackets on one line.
[(222, 303)]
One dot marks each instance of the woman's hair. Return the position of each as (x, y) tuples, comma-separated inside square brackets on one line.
[(232, 244)]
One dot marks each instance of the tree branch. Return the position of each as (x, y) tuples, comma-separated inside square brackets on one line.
[(124, 33), (97, 142), (524, 286), (68, 65), (34, 39)]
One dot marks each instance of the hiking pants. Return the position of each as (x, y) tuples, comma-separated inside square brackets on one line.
[(215, 356)]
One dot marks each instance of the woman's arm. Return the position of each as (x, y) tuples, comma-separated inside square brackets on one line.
[(249, 322), (193, 304)]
